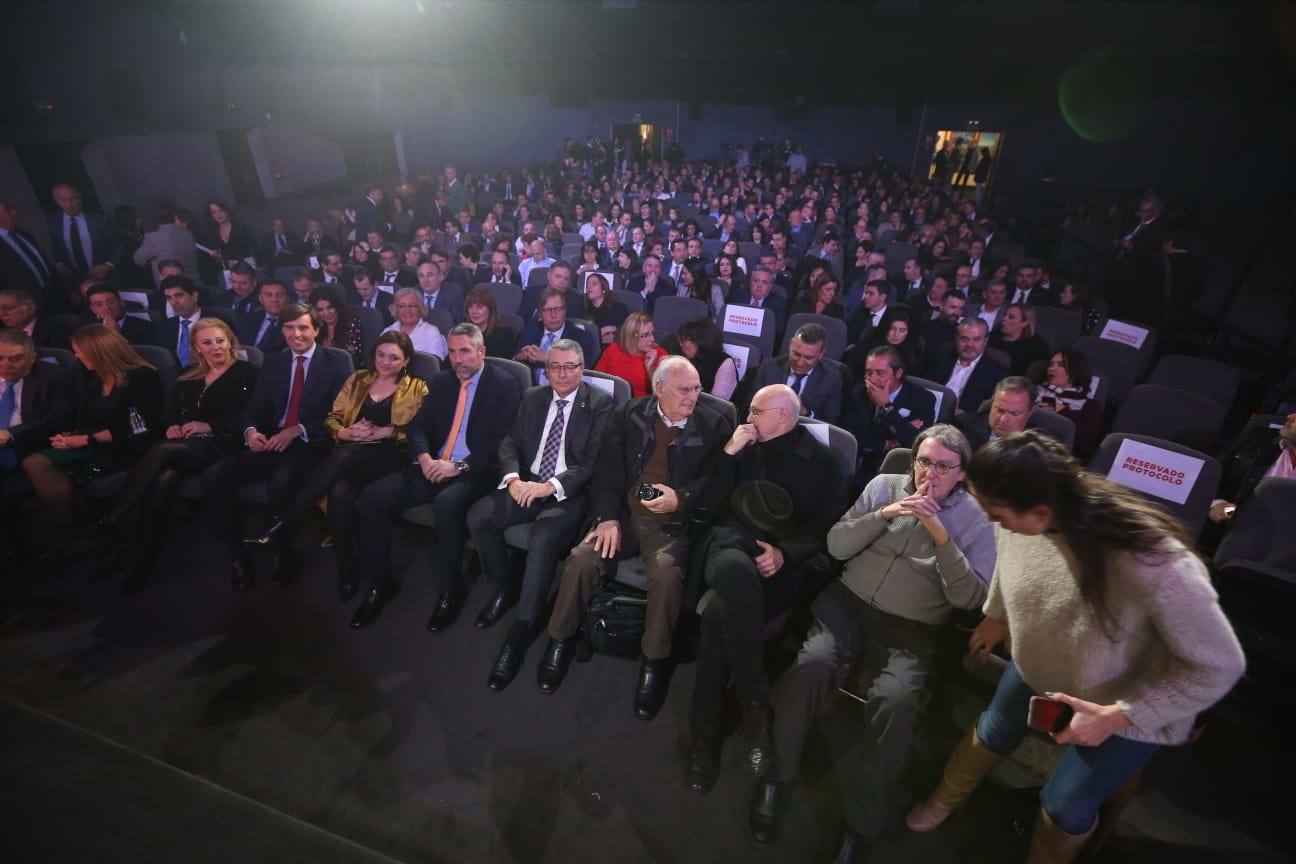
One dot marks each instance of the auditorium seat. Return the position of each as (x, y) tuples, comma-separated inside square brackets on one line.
[(835, 341), (670, 312), (508, 297), (898, 460), (1181, 416), (946, 401), (1192, 511), (1218, 381)]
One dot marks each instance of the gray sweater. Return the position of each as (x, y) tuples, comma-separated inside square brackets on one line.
[(895, 566)]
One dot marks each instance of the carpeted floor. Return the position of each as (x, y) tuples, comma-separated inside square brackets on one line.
[(389, 738)]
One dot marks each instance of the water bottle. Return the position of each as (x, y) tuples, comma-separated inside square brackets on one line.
[(137, 425)]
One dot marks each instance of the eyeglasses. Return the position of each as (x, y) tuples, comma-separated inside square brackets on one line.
[(756, 412), (942, 468), (553, 310), (564, 368), (687, 391)]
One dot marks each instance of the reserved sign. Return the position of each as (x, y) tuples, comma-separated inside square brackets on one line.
[(740, 353), (1155, 471), (1124, 333), (744, 320)]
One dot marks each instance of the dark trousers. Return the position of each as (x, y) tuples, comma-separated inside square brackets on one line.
[(152, 482), (554, 525), (340, 478), (664, 557), (383, 501), (898, 655), (283, 472), (733, 634)]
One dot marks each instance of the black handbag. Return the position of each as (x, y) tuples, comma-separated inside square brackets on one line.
[(614, 622)]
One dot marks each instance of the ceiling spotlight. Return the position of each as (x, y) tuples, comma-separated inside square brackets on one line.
[(40, 105), (231, 106)]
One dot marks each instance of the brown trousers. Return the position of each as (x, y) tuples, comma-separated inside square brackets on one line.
[(664, 557)]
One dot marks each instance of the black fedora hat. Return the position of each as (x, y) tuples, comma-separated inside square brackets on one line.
[(763, 506)]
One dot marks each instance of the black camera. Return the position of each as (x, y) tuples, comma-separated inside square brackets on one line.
[(646, 492)]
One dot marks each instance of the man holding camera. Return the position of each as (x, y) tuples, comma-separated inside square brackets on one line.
[(656, 467)]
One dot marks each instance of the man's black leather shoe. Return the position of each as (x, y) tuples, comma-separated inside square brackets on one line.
[(702, 768), (506, 667), (651, 692), (853, 850), (493, 611), (758, 738), (446, 611), (763, 814), (371, 607), (553, 668)]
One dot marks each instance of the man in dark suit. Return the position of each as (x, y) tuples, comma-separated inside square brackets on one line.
[(18, 311), (370, 296), (868, 315), (241, 296), (537, 337), (332, 271), (37, 399), (1027, 293), (1262, 452), (942, 330), (1139, 274), (651, 284), (759, 576), (914, 281), (367, 216), (107, 308), (547, 461), (558, 278), (261, 329), (393, 274), (315, 242), (284, 430), (759, 294), (658, 464), (817, 382), (280, 247), (966, 370), (455, 439), (893, 410), (501, 270), (84, 244), (437, 294), (182, 296), (926, 306), (23, 264)]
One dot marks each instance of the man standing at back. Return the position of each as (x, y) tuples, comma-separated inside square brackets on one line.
[(170, 241), (83, 242)]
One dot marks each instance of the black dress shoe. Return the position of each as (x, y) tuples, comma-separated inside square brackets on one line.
[(651, 692), (702, 768), (493, 611), (371, 607), (285, 569), (446, 611), (269, 535), (853, 849), (553, 668), (758, 738), (506, 667), (346, 584), (241, 577), (763, 814)]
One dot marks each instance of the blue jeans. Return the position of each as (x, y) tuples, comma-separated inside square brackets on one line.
[(1085, 778)]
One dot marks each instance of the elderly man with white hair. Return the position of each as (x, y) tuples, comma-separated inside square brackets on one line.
[(658, 465), (761, 562)]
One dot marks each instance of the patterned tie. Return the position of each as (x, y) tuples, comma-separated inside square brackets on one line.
[(295, 394), (453, 437), (182, 348), (797, 382), (9, 459), (553, 443), (78, 250)]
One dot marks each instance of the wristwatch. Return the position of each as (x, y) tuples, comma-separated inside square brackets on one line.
[(461, 465)]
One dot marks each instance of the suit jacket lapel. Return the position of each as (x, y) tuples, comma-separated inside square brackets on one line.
[(577, 419)]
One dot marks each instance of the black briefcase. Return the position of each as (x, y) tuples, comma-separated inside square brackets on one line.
[(614, 621)]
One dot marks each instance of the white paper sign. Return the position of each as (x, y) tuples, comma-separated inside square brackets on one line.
[(314, 262), (139, 298), (940, 397), (819, 431), (740, 353), (1093, 386), (744, 320), (1154, 471), (1124, 333), (608, 387)]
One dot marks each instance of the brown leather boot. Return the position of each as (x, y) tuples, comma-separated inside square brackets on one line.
[(1051, 845), (970, 762)]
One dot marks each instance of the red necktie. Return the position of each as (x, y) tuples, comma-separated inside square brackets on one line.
[(295, 394)]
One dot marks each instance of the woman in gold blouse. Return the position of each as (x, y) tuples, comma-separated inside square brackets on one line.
[(368, 423)]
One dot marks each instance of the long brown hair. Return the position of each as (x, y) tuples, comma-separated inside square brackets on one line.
[(201, 367), (109, 352), (482, 297), (1094, 515)]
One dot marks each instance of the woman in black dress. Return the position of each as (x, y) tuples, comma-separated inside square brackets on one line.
[(1015, 336), (341, 329), (204, 427), (120, 411), (368, 423), (480, 309), (222, 241), (821, 298)]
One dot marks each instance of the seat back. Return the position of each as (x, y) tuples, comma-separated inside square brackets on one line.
[(897, 253), (424, 365), (614, 385), (898, 460), (371, 323), (573, 237), (508, 297), (1218, 381), (946, 401), (632, 300), (670, 312), (253, 355), (1063, 324), (1053, 423), (1261, 529), (60, 357), (595, 338), (440, 318), (998, 355), (520, 371), (1114, 362), (1176, 415), (168, 369), (570, 252), (747, 324), (1179, 479), (747, 354), (538, 277), (512, 321), (723, 406), (1126, 333), (837, 439), (835, 341)]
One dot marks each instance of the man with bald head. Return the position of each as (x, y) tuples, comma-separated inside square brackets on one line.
[(84, 243), (657, 466), (766, 557)]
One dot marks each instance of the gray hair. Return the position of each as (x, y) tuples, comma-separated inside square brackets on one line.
[(410, 292), (471, 330), (761, 268), (948, 436), (565, 345), (668, 365), (975, 322), (18, 339), (1017, 384)]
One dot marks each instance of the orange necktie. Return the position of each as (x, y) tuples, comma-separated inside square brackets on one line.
[(457, 422)]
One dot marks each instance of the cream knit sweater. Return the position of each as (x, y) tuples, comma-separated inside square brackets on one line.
[(1173, 655)]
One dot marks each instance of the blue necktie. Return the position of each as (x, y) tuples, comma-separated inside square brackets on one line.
[(8, 458), (182, 349)]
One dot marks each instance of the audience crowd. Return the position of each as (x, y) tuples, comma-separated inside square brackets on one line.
[(601, 360)]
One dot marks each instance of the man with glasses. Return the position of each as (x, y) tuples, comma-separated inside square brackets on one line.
[(658, 466), (916, 546), (394, 275), (537, 337), (547, 460)]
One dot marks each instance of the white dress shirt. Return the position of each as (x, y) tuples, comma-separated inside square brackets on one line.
[(560, 494), (959, 376)]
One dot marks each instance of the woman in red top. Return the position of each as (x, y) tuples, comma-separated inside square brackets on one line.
[(633, 355)]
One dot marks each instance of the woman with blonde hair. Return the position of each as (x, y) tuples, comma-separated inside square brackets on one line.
[(203, 427), (634, 354), (409, 311), (368, 423), (1015, 336)]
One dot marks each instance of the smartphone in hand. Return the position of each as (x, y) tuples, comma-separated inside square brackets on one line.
[(1048, 715)]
